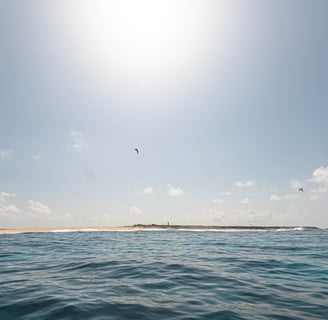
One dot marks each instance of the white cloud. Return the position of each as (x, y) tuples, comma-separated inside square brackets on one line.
[(216, 216), (6, 154), (38, 207), (8, 209), (239, 217), (37, 156), (246, 184), (319, 190), (314, 197), (5, 195), (77, 138), (245, 201), (64, 216), (106, 216), (295, 184), (147, 190), (227, 193), (216, 200), (135, 210), (320, 175), (175, 192), (275, 197)]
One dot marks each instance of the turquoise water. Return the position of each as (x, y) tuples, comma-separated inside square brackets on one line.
[(164, 275)]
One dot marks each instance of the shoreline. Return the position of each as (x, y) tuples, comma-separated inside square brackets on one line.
[(156, 227)]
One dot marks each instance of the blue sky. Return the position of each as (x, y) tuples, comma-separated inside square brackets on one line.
[(226, 101)]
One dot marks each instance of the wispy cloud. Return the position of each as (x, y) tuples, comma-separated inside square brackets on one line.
[(175, 191), (238, 217), (37, 156), (246, 184), (245, 201), (5, 195), (147, 190), (8, 208), (6, 154), (319, 190), (295, 184), (320, 175), (77, 140), (38, 208), (314, 197), (5, 208), (66, 216), (275, 197), (216, 200), (216, 216), (37, 211), (227, 193), (135, 211)]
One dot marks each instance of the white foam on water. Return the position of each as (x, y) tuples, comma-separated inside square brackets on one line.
[(14, 232), (62, 230), (291, 229), (298, 229)]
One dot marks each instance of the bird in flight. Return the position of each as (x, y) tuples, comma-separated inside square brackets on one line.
[(136, 150), (301, 189)]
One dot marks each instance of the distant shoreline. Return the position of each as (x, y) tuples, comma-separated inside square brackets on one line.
[(205, 227), (154, 227)]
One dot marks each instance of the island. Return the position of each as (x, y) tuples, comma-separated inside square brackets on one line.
[(157, 227)]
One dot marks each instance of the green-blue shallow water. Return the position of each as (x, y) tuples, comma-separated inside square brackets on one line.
[(164, 275)]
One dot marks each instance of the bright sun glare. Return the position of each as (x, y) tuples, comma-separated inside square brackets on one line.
[(145, 44)]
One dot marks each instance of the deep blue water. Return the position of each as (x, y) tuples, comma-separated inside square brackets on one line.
[(164, 275)]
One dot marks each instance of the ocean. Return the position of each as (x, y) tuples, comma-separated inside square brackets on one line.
[(164, 274)]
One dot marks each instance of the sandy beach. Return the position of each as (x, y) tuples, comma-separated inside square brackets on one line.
[(66, 229)]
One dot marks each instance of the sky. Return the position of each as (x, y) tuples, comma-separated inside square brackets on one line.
[(225, 100)]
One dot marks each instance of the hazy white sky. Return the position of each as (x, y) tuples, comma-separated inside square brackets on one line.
[(225, 100)]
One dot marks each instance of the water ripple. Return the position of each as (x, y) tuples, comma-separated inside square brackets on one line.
[(164, 275)]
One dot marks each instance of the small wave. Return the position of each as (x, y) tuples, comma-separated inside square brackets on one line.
[(82, 230), (291, 229), (63, 230), (298, 229), (13, 232), (121, 274)]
